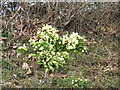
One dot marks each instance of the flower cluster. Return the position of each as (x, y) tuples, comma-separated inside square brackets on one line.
[(74, 41), (80, 82), (51, 49)]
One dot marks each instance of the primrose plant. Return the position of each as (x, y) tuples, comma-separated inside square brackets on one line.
[(52, 50), (80, 82)]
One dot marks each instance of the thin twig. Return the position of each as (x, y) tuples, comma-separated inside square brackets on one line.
[(13, 16)]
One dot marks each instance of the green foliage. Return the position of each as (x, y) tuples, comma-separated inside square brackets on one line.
[(22, 49), (113, 82), (64, 82), (7, 65), (80, 82), (6, 19), (51, 49), (73, 82)]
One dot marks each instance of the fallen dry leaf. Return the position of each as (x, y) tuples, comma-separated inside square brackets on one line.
[(3, 38), (18, 86), (15, 47), (25, 66), (29, 72), (51, 75)]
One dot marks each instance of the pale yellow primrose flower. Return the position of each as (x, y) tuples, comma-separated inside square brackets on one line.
[(70, 47), (73, 35), (46, 27), (51, 47), (65, 53), (76, 85), (23, 47), (65, 38), (75, 80), (58, 53), (49, 28), (41, 48)]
